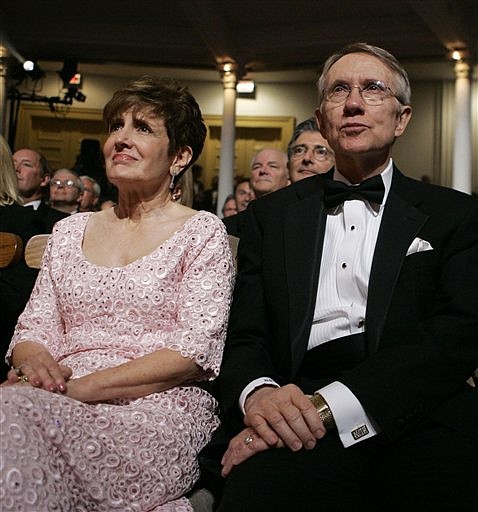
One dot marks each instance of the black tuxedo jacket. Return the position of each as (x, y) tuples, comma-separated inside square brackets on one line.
[(235, 223), (422, 309), (48, 216)]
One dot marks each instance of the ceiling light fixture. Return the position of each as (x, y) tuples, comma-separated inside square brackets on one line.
[(456, 55), (245, 86)]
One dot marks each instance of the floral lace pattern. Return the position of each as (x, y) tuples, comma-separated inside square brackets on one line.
[(127, 455)]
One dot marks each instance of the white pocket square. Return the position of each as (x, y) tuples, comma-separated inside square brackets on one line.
[(419, 245)]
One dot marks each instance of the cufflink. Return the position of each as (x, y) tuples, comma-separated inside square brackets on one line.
[(359, 432)]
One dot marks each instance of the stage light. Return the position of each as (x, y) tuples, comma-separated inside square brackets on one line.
[(28, 65)]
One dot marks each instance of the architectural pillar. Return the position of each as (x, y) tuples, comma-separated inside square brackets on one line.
[(228, 135), (4, 55), (462, 149)]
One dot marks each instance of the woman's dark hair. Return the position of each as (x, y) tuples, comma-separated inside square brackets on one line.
[(168, 99)]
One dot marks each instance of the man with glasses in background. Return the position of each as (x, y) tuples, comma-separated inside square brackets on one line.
[(353, 327), (66, 191), (308, 152)]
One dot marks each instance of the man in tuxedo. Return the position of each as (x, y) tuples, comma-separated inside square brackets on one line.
[(354, 324), (33, 176), (32, 218)]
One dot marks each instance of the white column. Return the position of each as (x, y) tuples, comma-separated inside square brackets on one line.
[(228, 137), (3, 89), (462, 146)]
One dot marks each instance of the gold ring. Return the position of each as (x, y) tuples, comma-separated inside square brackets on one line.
[(23, 378), (248, 439)]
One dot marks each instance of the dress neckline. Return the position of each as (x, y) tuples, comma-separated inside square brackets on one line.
[(137, 261)]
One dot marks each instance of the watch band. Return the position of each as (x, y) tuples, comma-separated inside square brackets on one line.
[(323, 410)]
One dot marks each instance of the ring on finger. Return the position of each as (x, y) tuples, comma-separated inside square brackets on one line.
[(23, 378), (19, 369), (248, 439)]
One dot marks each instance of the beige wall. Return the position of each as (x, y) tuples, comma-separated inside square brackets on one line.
[(426, 148)]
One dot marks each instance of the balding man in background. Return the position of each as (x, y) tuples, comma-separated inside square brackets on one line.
[(269, 173)]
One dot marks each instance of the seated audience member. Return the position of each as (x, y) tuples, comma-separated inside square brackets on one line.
[(91, 194), (66, 191), (127, 318), (33, 176), (308, 152), (230, 207), (16, 281), (269, 172), (243, 193), (354, 324)]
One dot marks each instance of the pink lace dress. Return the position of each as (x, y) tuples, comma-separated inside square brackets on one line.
[(59, 454)]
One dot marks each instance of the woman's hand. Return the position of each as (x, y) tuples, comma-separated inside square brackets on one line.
[(33, 364), (246, 444)]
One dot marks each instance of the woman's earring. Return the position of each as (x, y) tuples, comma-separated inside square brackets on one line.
[(172, 183)]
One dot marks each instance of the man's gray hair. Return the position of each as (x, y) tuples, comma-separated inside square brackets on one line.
[(96, 185), (77, 177), (309, 125), (401, 89)]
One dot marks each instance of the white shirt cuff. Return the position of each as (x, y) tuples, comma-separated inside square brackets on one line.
[(256, 383), (353, 423)]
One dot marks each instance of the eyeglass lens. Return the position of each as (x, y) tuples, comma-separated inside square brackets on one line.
[(372, 93), (318, 152), (64, 183)]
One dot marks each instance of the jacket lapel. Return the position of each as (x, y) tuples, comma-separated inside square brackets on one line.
[(401, 223), (304, 226)]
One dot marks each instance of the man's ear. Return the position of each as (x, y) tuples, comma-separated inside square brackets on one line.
[(181, 160), (45, 181), (403, 118), (320, 124)]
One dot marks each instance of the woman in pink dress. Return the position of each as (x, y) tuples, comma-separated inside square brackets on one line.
[(104, 408)]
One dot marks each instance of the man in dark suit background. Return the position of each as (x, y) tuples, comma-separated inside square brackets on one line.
[(33, 176), (32, 218), (354, 323)]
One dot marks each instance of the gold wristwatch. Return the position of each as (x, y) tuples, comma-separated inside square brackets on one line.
[(323, 410)]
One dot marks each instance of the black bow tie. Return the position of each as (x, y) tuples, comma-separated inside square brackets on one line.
[(370, 190)]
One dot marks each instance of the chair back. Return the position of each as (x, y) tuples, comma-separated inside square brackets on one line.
[(34, 250), (11, 249)]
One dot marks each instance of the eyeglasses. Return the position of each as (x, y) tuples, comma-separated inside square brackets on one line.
[(373, 93), (318, 152), (64, 183)]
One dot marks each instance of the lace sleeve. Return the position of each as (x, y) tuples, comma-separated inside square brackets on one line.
[(204, 300)]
